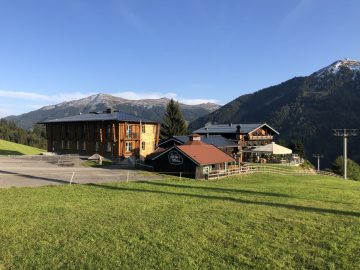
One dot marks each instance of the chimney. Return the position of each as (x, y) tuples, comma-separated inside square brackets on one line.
[(238, 128), (238, 132), (195, 138), (109, 110)]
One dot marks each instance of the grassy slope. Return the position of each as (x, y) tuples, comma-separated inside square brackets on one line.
[(257, 221), (10, 148)]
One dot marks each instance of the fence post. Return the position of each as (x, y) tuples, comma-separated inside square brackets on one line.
[(72, 177), (180, 176), (127, 176)]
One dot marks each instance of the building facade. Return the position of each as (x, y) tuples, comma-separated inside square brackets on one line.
[(111, 134)]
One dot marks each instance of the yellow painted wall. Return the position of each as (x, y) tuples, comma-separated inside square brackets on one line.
[(149, 138)]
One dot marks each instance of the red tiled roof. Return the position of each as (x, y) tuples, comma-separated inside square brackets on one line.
[(205, 153)]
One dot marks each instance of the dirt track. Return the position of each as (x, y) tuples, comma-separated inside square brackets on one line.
[(35, 171)]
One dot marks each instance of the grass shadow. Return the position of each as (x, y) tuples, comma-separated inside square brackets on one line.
[(235, 200), (217, 189), (10, 153), (32, 177)]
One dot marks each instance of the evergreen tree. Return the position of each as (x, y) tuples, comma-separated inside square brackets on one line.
[(10, 132), (173, 122), (297, 147)]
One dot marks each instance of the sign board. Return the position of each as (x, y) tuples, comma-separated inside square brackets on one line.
[(175, 158)]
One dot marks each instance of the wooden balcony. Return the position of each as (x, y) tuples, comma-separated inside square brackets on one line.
[(132, 136), (255, 138)]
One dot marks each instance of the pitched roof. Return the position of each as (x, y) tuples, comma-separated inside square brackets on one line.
[(205, 154), (216, 140), (94, 117), (231, 128)]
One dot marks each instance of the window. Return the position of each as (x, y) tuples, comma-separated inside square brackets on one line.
[(83, 131), (143, 128), (143, 145), (108, 146), (207, 169), (128, 131), (67, 131), (84, 145), (96, 146), (128, 147), (108, 131)]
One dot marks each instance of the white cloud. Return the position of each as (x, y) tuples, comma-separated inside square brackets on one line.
[(136, 95), (196, 101), (23, 95), (41, 97), (156, 95)]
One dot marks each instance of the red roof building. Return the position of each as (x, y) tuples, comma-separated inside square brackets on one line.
[(194, 159)]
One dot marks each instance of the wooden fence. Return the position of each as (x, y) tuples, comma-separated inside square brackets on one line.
[(238, 170)]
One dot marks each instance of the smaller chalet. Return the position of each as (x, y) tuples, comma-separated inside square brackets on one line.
[(194, 159), (228, 146)]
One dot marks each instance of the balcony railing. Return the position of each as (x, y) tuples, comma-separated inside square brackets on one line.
[(132, 135), (267, 137)]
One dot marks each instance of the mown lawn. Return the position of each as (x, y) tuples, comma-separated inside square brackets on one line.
[(252, 222), (10, 148)]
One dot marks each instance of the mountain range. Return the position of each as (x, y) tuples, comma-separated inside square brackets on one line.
[(152, 109), (305, 109)]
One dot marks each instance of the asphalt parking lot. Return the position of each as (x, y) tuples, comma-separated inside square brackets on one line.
[(32, 171)]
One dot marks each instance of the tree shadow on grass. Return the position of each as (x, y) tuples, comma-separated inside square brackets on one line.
[(33, 177), (235, 200), (10, 153), (217, 189), (245, 191)]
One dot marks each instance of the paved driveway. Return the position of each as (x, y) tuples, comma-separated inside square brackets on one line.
[(34, 171)]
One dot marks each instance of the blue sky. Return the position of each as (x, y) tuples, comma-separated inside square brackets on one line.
[(193, 50)]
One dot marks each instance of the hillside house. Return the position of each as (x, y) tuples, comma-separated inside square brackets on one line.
[(246, 136), (110, 133)]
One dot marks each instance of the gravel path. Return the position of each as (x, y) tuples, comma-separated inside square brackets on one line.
[(28, 171)]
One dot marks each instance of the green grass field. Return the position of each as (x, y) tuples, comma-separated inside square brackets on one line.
[(10, 148), (249, 222)]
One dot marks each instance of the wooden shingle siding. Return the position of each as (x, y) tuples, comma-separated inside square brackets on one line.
[(88, 134)]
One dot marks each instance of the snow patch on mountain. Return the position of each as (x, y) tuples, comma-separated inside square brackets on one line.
[(335, 67)]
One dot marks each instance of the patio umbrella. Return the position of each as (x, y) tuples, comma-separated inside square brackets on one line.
[(272, 148)]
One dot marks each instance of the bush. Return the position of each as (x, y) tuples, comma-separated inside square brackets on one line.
[(307, 165), (353, 169)]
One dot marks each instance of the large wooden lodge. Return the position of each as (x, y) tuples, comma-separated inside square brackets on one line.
[(110, 133), (246, 136)]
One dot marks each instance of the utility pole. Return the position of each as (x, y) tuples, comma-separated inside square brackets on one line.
[(318, 156), (345, 133)]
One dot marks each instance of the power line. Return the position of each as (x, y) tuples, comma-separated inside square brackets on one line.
[(345, 133)]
